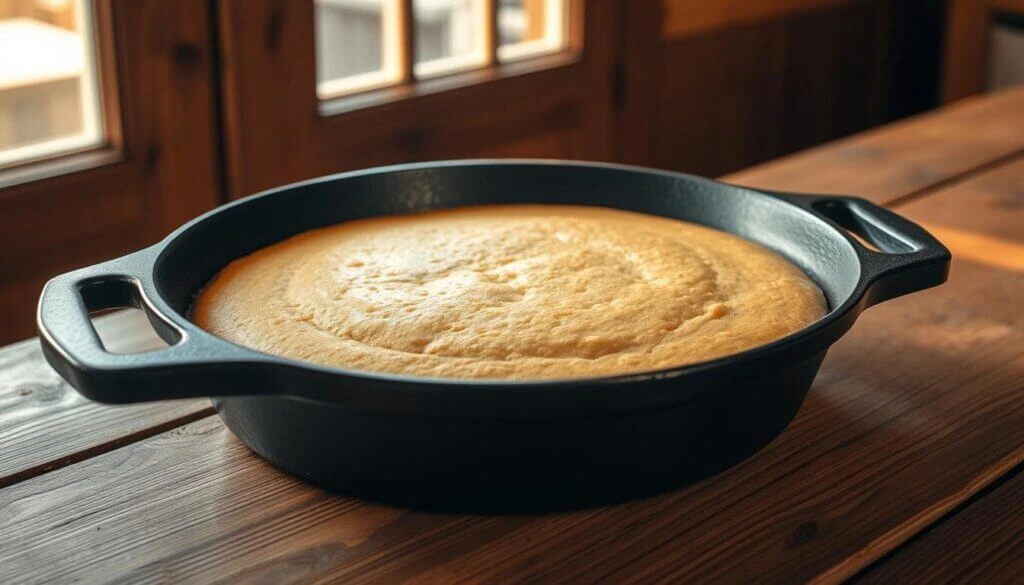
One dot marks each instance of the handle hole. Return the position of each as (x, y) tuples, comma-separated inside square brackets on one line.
[(125, 330), (862, 229), (116, 316)]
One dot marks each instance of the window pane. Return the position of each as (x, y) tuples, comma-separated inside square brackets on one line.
[(356, 45), (49, 95), (527, 28), (449, 36)]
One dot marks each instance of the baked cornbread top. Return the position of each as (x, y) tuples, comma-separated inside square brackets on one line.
[(509, 292)]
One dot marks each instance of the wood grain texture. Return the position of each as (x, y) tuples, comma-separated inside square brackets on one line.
[(167, 59), (719, 100), (903, 158), (637, 93), (967, 38), (44, 423), (742, 92), (918, 407), (684, 18), (268, 81), (981, 544)]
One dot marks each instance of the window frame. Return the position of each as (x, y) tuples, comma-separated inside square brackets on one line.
[(107, 150), (267, 56), (401, 78), (157, 168)]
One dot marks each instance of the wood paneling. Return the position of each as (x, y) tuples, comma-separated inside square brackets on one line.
[(767, 79), (167, 58), (44, 423), (403, 133), (967, 41), (269, 92), (915, 37), (714, 114), (916, 409), (691, 17), (635, 87), (733, 97), (551, 144), (903, 158), (165, 175)]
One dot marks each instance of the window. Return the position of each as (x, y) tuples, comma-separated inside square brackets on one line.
[(529, 28), (361, 44), (357, 45), (449, 36), (49, 92), (78, 186)]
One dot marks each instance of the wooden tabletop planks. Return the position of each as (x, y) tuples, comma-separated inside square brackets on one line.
[(44, 423), (918, 408), (981, 544), (904, 158)]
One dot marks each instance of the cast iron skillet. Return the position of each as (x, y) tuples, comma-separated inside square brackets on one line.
[(486, 445)]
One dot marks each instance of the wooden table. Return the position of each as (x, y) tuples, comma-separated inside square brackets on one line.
[(905, 461)]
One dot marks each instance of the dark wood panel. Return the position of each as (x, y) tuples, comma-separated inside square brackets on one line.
[(691, 17), (835, 74), (743, 94), (428, 132), (92, 228), (916, 32), (966, 59), (980, 544), (44, 423), (917, 408), (719, 100), (13, 300), (754, 83), (544, 145), (268, 81), (166, 65), (902, 158)]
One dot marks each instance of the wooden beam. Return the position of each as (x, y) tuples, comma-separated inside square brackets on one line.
[(490, 37), (407, 37), (968, 25), (690, 17)]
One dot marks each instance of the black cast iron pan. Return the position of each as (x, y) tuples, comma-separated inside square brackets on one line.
[(486, 445)]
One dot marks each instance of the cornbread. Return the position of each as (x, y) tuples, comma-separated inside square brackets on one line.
[(511, 292)]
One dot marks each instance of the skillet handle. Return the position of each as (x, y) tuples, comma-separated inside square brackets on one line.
[(183, 370), (907, 259)]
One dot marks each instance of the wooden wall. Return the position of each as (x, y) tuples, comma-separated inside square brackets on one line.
[(967, 43), (717, 91)]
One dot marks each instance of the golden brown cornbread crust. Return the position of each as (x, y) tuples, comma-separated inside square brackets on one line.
[(514, 292)]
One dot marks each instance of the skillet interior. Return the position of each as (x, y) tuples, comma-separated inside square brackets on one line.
[(204, 246)]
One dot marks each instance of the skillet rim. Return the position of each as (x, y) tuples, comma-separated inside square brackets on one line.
[(833, 314)]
